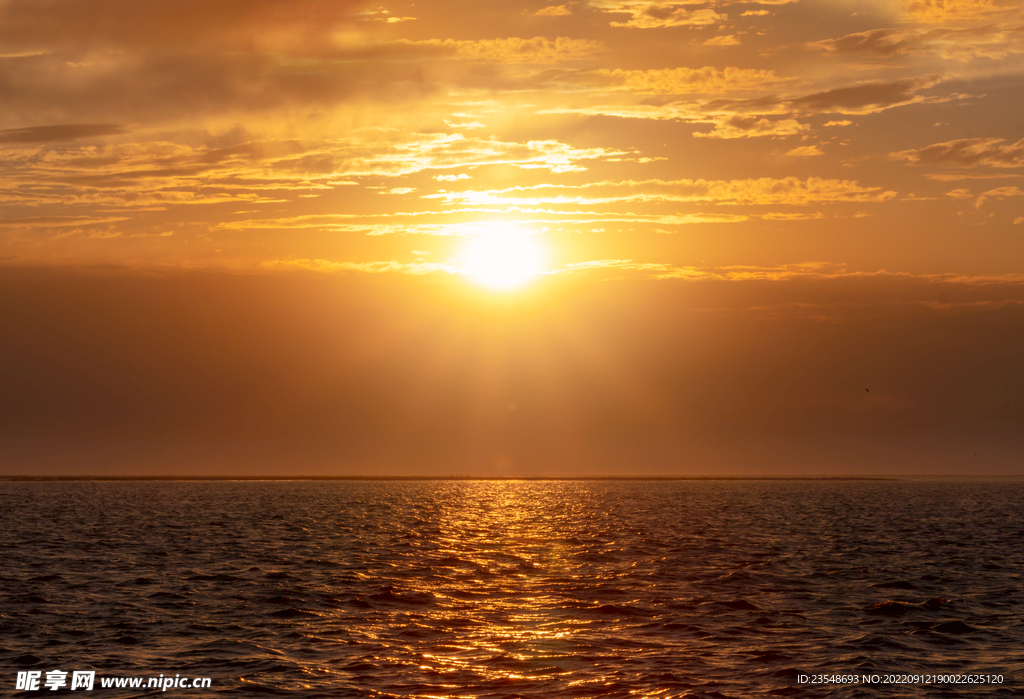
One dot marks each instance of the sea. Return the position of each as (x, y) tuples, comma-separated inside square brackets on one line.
[(513, 588)]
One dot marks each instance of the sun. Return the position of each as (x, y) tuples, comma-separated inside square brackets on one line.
[(502, 257)]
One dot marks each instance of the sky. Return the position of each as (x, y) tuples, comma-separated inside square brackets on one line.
[(605, 237)]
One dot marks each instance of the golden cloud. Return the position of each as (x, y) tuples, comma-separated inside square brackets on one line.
[(877, 42), (163, 174), (390, 153), (954, 11), (966, 152), (681, 81), (747, 117), (652, 15), (59, 221), (723, 40), (655, 14), (805, 151), (958, 43), (999, 193), (789, 191), (539, 49), (378, 267), (754, 127), (553, 11)]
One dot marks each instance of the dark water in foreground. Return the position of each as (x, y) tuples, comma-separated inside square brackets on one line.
[(505, 589)]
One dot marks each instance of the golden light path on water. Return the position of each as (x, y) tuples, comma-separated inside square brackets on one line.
[(481, 533)]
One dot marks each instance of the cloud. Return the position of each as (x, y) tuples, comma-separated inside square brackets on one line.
[(818, 270), (553, 11), (390, 153), (147, 84), (83, 77), (654, 18), (144, 174), (998, 193), (59, 132), (788, 191), (536, 50), (658, 270), (867, 98), (958, 43), (636, 111), (58, 221), (725, 40), (792, 216), (954, 11), (754, 127), (681, 81), (322, 29), (539, 49), (966, 152), (931, 291), (381, 15), (162, 174), (405, 223), (154, 87), (314, 221), (1007, 192), (994, 42), (659, 14), (877, 42), (378, 267), (744, 117), (541, 206), (656, 14), (962, 175), (87, 25), (805, 151)]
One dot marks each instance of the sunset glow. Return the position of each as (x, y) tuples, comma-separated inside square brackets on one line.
[(502, 258), (606, 236)]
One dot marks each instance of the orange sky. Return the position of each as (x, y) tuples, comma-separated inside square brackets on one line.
[(241, 233)]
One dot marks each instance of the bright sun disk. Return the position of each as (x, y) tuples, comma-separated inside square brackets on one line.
[(502, 258)]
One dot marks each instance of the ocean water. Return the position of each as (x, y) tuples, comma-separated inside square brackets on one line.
[(514, 588)]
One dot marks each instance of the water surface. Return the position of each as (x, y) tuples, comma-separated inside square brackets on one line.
[(513, 588)]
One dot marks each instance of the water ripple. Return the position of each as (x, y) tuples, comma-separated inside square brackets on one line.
[(512, 589)]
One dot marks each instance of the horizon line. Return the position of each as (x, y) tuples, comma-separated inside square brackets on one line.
[(464, 477)]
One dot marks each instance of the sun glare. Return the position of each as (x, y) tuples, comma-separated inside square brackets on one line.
[(502, 258)]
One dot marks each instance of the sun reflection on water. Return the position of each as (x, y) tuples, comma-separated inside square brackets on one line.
[(505, 552)]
